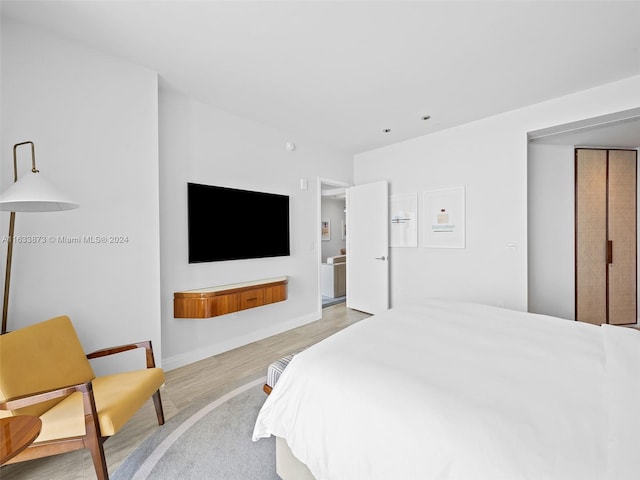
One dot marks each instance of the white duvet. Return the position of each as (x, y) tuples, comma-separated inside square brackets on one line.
[(458, 391)]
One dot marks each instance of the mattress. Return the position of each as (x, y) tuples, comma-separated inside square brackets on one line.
[(455, 391)]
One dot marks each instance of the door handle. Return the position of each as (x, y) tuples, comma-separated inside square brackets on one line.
[(609, 252), (383, 258)]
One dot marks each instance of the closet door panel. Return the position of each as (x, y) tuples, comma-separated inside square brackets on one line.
[(591, 236), (622, 233)]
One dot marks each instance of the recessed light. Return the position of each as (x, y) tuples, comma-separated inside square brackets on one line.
[(426, 117), (386, 130)]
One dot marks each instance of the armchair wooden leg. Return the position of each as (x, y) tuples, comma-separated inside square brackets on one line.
[(93, 438), (159, 410), (94, 445)]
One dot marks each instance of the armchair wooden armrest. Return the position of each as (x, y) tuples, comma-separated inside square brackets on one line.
[(32, 399), (125, 348)]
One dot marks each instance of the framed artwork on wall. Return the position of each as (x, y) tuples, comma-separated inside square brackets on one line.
[(444, 218), (325, 230), (403, 211)]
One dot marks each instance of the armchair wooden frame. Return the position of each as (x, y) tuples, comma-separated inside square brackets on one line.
[(93, 439)]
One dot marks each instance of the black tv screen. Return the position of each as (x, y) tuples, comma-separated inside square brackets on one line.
[(232, 224)]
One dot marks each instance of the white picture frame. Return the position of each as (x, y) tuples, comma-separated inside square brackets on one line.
[(444, 218), (403, 220)]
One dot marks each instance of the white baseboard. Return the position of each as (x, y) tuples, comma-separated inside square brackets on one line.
[(176, 361)]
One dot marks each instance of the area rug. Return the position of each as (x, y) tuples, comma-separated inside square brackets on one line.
[(209, 440)]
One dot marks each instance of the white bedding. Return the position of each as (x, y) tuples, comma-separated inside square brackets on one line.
[(447, 391)]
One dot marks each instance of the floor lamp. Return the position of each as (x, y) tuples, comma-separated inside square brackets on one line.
[(32, 193)]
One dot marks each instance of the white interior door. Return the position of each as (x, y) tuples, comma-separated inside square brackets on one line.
[(368, 247)]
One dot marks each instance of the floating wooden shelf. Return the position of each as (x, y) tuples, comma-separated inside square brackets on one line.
[(223, 299)]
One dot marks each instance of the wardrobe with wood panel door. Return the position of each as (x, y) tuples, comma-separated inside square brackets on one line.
[(605, 235)]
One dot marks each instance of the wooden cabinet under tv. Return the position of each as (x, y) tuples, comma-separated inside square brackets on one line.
[(223, 299)]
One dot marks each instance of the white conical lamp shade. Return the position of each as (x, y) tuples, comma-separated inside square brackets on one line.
[(33, 193)]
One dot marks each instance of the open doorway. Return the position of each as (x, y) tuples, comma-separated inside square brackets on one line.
[(551, 230), (333, 242)]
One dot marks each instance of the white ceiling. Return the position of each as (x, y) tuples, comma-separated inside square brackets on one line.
[(341, 72)]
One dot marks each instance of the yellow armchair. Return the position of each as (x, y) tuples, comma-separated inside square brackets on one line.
[(44, 372)]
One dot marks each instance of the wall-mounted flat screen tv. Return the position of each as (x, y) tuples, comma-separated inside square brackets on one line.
[(231, 224)]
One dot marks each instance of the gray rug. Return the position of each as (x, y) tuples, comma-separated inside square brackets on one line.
[(208, 440)]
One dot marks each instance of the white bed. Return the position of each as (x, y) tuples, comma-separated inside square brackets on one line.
[(459, 391)]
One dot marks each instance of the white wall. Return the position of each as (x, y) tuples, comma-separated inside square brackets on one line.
[(333, 210), (93, 119), (488, 157), (486, 270), (99, 132), (202, 144), (551, 211)]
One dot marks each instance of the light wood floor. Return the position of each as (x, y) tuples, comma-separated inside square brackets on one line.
[(220, 373)]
